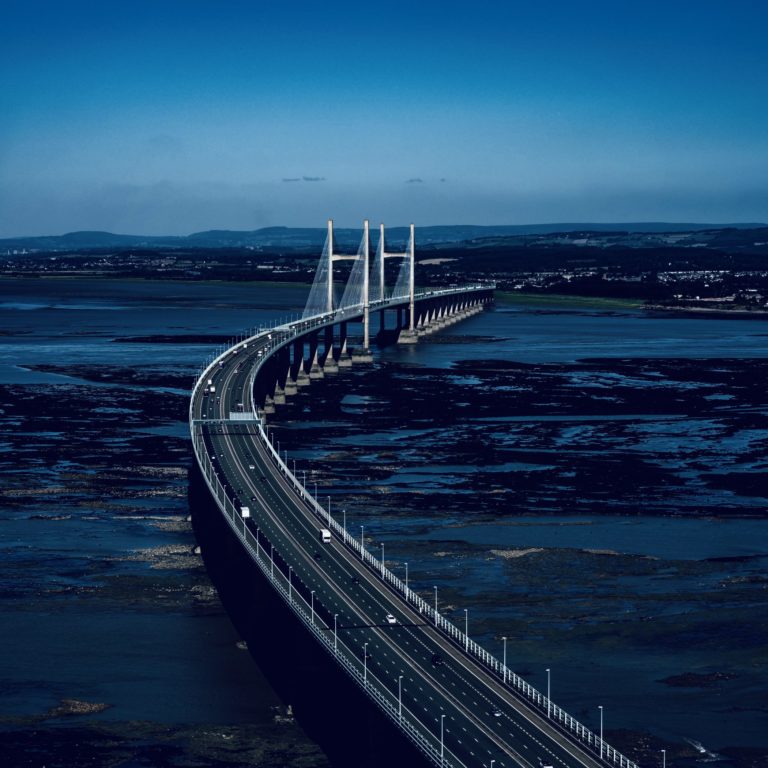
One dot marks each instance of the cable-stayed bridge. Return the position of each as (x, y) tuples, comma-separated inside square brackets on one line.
[(455, 701)]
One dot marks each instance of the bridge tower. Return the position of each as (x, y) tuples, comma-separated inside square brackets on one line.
[(365, 256), (410, 336)]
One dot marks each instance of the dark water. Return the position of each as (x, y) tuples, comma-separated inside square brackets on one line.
[(588, 484)]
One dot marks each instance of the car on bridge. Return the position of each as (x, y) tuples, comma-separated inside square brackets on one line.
[(391, 619)]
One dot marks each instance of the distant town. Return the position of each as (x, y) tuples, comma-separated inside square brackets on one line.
[(703, 269)]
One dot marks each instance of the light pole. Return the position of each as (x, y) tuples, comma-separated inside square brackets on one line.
[(335, 632), (504, 665), (600, 707), (493, 760), (329, 511), (365, 666), (304, 484), (442, 737), (344, 520), (312, 602), (549, 680), (663, 758), (406, 580), (466, 630), (271, 560), (258, 554), (382, 559), (290, 583), (435, 606), (400, 697), (362, 542)]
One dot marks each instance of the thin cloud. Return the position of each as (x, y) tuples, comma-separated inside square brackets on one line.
[(415, 180), (313, 178), (289, 180)]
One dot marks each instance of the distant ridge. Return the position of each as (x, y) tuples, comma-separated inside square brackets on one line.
[(310, 237)]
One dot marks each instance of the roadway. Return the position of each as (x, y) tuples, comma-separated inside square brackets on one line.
[(484, 722)]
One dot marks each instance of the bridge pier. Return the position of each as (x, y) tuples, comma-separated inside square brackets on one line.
[(329, 362)]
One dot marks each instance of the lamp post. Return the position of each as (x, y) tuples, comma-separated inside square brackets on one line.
[(312, 603), (600, 707), (382, 559), (549, 680), (271, 560), (663, 758), (406, 580), (435, 606), (365, 666), (362, 542), (329, 511), (442, 737), (400, 697), (335, 632), (258, 554), (504, 665), (290, 583), (344, 519), (466, 630)]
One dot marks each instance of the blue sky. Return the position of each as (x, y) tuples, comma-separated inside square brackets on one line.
[(170, 116)]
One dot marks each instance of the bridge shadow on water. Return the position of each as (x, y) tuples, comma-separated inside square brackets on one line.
[(330, 708)]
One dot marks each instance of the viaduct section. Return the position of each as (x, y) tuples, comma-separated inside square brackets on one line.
[(457, 703)]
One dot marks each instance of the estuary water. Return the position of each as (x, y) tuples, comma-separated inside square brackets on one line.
[(587, 483)]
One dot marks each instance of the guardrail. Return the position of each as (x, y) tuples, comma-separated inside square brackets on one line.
[(278, 337)]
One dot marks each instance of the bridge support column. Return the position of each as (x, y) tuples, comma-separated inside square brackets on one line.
[(300, 377), (344, 360), (329, 363), (315, 371)]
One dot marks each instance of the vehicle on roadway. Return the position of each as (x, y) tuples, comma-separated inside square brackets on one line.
[(325, 535), (391, 619)]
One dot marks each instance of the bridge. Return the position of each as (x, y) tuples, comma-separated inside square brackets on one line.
[(455, 701)]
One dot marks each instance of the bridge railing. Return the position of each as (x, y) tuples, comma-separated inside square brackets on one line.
[(283, 334), (353, 660)]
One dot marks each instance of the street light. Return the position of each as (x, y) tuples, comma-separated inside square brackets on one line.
[(548, 690), (600, 707), (406, 580), (504, 665), (442, 740), (365, 664), (335, 632), (663, 758), (329, 511), (290, 583), (382, 559), (362, 542), (400, 697), (344, 520), (466, 630), (312, 601), (435, 606)]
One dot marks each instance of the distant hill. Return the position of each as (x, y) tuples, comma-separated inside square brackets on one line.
[(308, 238)]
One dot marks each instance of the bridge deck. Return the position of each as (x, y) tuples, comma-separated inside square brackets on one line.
[(456, 709)]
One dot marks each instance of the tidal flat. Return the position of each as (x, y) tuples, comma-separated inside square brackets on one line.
[(588, 483)]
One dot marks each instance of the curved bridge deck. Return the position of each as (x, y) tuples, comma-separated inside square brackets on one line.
[(456, 702)]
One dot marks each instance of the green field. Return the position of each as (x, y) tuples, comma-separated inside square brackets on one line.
[(564, 301)]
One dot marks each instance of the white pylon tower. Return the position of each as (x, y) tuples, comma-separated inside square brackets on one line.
[(366, 280), (410, 254)]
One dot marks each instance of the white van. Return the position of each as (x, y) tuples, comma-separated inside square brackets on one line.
[(325, 535)]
